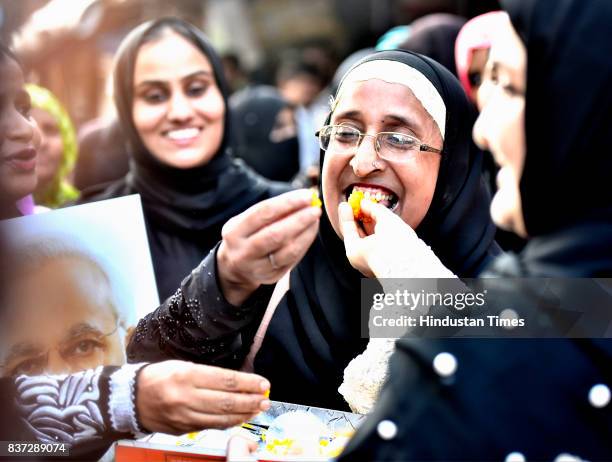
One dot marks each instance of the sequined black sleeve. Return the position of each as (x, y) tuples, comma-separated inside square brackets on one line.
[(197, 323)]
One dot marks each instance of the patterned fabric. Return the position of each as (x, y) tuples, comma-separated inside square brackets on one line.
[(197, 323), (62, 408)]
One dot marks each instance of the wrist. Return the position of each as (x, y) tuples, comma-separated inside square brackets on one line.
[(234, 288), (123, 399)]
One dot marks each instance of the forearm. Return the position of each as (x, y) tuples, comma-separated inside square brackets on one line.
[(198, 324), (86, 411)]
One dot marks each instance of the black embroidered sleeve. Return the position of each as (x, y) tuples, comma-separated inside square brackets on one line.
[(198, 324)]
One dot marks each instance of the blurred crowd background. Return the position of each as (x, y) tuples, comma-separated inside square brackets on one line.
[(67, 46)]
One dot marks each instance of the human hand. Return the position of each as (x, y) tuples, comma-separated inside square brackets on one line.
[(178, 397), (241, 449), (393, 250), (261, 244)]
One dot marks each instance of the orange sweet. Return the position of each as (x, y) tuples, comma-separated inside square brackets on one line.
[(354, 201)]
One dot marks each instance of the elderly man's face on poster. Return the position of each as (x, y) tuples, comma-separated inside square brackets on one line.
[(60, 317)]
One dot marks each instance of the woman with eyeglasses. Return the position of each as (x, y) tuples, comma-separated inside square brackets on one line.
[(547, 110), (399, 130)]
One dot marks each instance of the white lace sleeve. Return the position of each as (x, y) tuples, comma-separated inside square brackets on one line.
[(367, 372), (62, 408)]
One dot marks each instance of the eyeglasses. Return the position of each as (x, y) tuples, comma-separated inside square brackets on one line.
[(391, 146), (80, 351)]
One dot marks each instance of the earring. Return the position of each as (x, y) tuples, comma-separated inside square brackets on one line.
[(375, 165)]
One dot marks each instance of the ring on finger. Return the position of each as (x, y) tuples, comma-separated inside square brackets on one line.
[(272, 261)]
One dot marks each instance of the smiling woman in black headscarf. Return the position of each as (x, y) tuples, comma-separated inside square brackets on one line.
[(311, 330), (322, 306), (546, 119), (171, 99)]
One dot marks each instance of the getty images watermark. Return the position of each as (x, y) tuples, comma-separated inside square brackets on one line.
[(500, 307)]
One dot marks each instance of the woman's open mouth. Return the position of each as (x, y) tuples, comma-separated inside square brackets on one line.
[(382, 195)]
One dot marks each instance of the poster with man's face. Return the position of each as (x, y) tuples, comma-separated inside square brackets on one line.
[(78, 280)]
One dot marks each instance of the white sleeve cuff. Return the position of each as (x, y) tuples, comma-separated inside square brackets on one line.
[(122, 399)]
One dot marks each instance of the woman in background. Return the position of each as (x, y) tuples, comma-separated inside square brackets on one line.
[(58, 151), (19, 140), (266, 132), (472, 50), (547, 123), (434, 35), (171, 100)]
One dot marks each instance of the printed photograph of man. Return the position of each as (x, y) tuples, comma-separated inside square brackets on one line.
[(63, 313)]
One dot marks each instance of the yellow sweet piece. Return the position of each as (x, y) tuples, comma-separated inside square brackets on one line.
[(280, 447), (267, 393), (354, 201), (315, 202)]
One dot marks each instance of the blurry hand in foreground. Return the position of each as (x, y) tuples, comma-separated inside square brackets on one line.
[(178, 397)]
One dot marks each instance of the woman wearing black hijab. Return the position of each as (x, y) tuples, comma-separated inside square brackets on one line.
[(174, 115), (519, 399), (314, 331), (266, 132)]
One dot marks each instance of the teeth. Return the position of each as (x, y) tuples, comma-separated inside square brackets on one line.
[(379, 196), (183, 134)]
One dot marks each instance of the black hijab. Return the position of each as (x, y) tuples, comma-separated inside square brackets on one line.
[(189, 200), (315, 330), (565, 187), (254, 112), (184, 209)]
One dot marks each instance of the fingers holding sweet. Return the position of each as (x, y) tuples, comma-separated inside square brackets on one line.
[(292, 252), (348, 226), (266, 212), (173, 397), (247, 261), (283, 232), (222, 402), (218, 378), (384, 220)]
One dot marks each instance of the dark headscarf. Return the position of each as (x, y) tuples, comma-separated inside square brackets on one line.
[(184, 209), (434, 36), (565, 187), (194, 199), (315, 330), (254, 112)]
